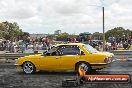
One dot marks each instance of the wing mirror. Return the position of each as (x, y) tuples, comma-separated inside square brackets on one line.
[(44, 53), (81, 53)]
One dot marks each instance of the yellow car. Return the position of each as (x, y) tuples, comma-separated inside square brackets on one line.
[(66, 57)]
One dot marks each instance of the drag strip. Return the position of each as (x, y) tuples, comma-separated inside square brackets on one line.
[(11, 78)]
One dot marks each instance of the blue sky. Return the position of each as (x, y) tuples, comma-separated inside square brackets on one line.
[(72, 16)]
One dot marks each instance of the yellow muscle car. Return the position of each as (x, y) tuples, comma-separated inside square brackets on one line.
[(66, 57)]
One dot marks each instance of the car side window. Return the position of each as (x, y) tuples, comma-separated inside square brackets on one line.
[(53, 52), (70, 50)]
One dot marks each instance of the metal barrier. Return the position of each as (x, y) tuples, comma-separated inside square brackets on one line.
[(124, 53), (13, 56)]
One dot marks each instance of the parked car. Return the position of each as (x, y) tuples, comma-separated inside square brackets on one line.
[(66, 57)]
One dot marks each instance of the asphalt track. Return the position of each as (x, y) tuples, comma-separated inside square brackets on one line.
[(11, 78)]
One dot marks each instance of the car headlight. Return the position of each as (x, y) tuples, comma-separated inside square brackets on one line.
[(16, 60)]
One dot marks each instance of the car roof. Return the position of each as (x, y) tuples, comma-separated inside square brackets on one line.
[(71, 44)]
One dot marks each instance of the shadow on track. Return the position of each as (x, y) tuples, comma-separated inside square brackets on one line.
[(60, 73)]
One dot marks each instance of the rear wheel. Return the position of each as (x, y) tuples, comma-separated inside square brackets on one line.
[(81, 80), (86, 67), (29, 68)]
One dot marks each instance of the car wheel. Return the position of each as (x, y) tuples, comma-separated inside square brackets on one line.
[(86, 67), (29, 68), (81, 80)]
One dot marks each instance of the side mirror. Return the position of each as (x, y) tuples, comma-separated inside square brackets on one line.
[(44, 53), (82, 53)]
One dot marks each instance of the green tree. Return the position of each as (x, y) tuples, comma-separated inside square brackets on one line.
[(11, 31), (85, 36), (118, 32), (62, 37), (24, 36), (97, 36)]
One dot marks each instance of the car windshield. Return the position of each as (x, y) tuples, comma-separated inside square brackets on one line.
[(90, 48)]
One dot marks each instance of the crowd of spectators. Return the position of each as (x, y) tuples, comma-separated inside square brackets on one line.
[(31, 45), (119, 43), (25, 46), (113, 44)]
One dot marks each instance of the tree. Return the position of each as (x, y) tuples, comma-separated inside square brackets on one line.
[(118, 32), (11, 31), (62, 36), (25, 35), (97, 36), (85, 36), (57, 32)]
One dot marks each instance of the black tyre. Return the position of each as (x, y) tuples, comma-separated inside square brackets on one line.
[(81, 80), (29, 68), (86, 67)]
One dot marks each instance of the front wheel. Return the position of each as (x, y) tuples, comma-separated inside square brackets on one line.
[(86, 67), (29, 68)]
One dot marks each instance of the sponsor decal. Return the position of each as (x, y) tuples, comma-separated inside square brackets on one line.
[(111, 78)]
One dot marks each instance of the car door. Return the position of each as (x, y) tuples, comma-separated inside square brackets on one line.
[(69, 56), (51, 60)]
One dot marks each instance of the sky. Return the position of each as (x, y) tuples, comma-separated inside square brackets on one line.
[(72, 16)]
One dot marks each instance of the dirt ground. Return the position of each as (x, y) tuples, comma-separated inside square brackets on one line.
[(11, 78)]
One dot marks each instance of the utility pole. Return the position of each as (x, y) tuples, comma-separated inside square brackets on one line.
[(103, 30)]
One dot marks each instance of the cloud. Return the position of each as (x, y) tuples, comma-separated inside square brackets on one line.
[(17, 9), (69, 15)]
